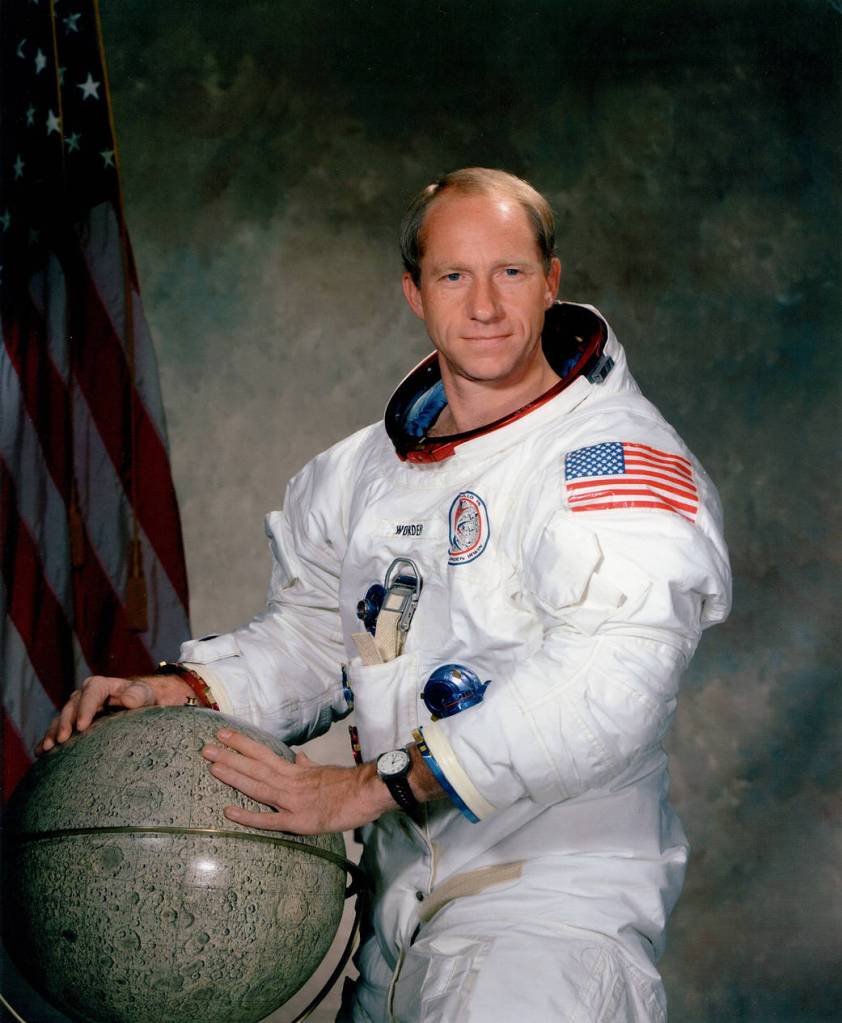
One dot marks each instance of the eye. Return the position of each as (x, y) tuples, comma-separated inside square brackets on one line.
[(453, 276), (512, 271)]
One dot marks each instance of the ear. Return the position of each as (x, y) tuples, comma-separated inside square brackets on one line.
[(412, 293), (553, 280)]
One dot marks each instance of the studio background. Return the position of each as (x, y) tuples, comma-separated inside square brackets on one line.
[(691, 153)]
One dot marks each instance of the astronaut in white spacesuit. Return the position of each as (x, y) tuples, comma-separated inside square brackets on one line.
[(524, 518)]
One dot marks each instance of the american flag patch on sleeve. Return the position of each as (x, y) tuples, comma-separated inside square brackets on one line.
[(620, 474)]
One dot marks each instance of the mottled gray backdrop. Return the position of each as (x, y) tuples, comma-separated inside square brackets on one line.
[(691, 150)]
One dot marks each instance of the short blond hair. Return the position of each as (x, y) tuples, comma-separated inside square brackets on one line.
[(476, 181)]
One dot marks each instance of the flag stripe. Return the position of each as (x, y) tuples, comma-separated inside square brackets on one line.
[(105, 510), (47, 402), (103, 377), (650, 464), (104, 635), (102, 374), (636, 451), (15, 753), (678, 460), (593, 495), (635, 480), (44, 395), (29, 707), (633, 504), (48, 297), (31, 604), (40, 505), (650, 473), (101, 254)]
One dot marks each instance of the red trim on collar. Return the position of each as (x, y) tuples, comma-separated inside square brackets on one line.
[(432, 453), (437, 449), (565, 323)]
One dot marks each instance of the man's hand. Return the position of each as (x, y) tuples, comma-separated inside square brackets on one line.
[(100, 691), (306, 798)]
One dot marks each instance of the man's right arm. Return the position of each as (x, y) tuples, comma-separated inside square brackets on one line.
[(100, 691), (282, 670)]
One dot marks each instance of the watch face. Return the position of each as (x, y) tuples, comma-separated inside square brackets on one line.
[(394, 762)]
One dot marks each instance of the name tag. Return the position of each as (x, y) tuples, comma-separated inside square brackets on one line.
[(427, 528), (409, 529)]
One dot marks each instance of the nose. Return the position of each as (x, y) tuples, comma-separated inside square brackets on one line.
[(484, 301)]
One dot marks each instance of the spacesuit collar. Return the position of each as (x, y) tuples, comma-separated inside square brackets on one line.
[(573, 340)]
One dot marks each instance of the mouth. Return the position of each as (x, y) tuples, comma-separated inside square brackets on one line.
[(490, 337)]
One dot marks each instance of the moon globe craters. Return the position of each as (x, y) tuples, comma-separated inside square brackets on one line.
[(132, 899)]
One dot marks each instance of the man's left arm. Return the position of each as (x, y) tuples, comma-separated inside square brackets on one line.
[(306, 798), (623, 595)]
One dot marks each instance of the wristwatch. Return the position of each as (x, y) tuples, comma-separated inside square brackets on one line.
[(393, 768)]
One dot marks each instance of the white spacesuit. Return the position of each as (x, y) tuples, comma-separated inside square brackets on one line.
[(571, 554)]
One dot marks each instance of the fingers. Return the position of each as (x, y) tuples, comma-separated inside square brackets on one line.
[(66, 717), (94, 693), (306, 798), (86, 702), (239, 772), (136, 692), (49, 739), (250, 767), (251, 748), (253, 769), (267, 820), (258, 788), (99, 690)]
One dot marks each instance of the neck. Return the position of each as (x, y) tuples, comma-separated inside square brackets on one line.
[(475, 403)]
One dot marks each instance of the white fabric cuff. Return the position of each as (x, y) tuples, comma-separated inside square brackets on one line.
[(496, 745), (452, 776)]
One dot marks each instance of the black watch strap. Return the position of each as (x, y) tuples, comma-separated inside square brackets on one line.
[(397, 782), (402, 794)]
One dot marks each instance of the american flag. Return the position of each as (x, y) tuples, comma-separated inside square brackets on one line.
[(93, 577), (621, 474)]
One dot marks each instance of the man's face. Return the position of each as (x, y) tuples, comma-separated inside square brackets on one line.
[(483, 290)]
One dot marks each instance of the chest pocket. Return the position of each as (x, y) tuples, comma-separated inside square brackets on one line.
[(488, 613), (386, 704), (494, 575)]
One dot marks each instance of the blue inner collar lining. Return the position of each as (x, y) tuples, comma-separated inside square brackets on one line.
[(425, 410)]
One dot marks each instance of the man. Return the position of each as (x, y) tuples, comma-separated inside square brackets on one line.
[(555, 537)]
